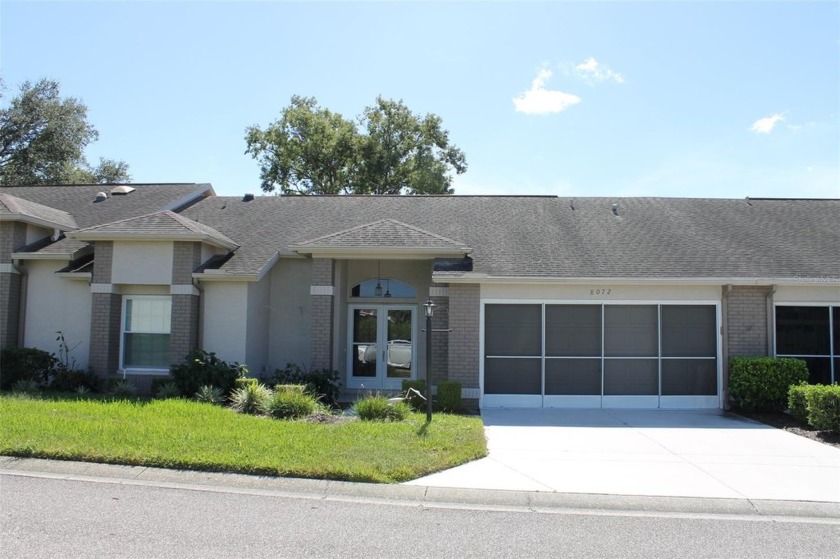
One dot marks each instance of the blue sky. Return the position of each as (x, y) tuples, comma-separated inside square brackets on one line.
[(694, 99)]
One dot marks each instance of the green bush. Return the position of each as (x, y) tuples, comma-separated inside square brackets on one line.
[(824, 407), (25, 363), (323, 383), (168, 390), (243, 382), (416, 402), (252, 399), (378, 408), (290, 404), (210, 395), (762, 383), (204, 368), (66, 380), (797, 402), (449, 395), (296, 388), (122, 389), (26, 386)]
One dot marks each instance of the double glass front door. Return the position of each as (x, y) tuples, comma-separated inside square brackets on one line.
[(382, 350)]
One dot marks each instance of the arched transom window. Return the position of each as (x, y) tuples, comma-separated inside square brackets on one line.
[(383, 287)]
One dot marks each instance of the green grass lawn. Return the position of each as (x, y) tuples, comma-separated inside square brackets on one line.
[(191, 435)]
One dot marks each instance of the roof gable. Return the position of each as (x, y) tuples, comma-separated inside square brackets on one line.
[(13, 208), (383, 236), (160, 226)]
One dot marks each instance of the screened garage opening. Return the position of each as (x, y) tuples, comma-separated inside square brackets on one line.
[(811, 333), (601, 355)]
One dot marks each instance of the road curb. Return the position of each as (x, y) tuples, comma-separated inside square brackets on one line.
[(535, 501)]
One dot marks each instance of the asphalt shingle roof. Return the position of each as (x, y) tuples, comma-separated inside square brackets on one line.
[(165, 224), (12, 205), (79, 202), (384, 233), (558, 237)]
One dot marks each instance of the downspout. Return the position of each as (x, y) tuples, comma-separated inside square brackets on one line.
[(770, 322), (724, 331), (24, 282)]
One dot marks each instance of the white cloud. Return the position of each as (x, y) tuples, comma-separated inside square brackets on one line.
[(765, 125), (594, 72), (539, 101)]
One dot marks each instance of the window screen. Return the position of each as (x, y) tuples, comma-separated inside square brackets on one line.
[(802, 331), (513, 330), (631, 377), (146, 327), (630, 331), (689, 377), (688, 331), (573, 330), (578, 377), (512, 376)]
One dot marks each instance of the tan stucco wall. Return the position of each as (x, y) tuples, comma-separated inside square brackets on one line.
[(142, 263), (807, 294), (57, 304), (289, 321), (225, 320)]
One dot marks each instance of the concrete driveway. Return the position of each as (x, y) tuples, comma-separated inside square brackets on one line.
[(657, 452)]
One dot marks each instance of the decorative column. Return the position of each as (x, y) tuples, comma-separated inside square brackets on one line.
[(12, 237), (184, 326), (106, 311), (322, 320)]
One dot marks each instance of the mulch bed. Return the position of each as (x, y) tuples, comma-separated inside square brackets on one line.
[(788, 423)]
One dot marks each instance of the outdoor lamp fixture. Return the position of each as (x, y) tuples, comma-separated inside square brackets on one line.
[(429, 309), (377, 291)]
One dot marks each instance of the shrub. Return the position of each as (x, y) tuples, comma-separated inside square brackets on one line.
[(252, 399), (25, 363), (168, 390), (26, 386), (243, 382), (449, 395), (797, 402), (323, 383), (416, 402), (297, 388), (210, 395), (122, 389), (824, 407), (762, 383), (290, 404), (378, 408), (202, 368), (66, 380)]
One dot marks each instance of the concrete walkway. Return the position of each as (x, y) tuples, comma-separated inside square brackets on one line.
[(656, 453)]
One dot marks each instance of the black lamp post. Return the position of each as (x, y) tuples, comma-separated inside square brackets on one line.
[(429, 309)]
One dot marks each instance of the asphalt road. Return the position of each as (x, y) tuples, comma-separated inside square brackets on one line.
[(44, 516)]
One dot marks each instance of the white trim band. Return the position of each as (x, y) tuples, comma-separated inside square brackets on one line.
[(8, 268), (183, 290), (321, 290), (102, 288), (435, 291)]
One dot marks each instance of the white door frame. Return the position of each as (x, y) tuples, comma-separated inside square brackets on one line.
[(381, 380)]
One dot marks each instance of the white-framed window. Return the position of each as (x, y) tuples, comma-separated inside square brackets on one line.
[(146, 322)]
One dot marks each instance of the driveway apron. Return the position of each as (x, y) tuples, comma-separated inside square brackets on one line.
[(646, 452)]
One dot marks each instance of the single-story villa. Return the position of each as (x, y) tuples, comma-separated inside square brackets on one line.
[(540, 300)]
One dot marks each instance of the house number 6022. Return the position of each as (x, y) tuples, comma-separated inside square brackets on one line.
[(604, 291)]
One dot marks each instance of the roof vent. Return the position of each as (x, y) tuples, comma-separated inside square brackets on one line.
[(122, 190), (615, 209), (100, 197), (248, 197)]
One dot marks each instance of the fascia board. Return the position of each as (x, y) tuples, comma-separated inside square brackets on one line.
[(383, 253), (486, 278), (46, 224), (103, 236)]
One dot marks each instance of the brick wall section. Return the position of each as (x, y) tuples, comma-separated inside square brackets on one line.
[(183, 336), (12, 237), (186, 257), (103, 259), (105, 333), (321, 330), (464, 317), (746, 321), (440, 340)]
